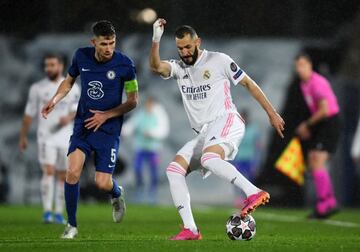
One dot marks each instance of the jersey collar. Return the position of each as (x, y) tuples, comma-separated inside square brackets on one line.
[(199, 59)]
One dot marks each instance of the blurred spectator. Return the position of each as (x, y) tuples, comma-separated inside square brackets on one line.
[(248, 156), (149, 126), (355, 150)]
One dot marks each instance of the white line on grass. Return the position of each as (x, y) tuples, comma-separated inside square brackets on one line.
[(289, 218)]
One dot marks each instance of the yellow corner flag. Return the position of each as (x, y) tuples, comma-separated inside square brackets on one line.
[(291, 162)]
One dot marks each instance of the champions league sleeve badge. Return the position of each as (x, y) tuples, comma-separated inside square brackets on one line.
[(233, 67)]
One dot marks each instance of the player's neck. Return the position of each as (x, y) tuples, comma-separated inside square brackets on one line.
[(307, 78), (100, 59)]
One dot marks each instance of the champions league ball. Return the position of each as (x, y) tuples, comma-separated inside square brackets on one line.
[(243, 229)]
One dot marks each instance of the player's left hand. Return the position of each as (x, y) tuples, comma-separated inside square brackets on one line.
[(303, 131), (96, 120), (278, 123)]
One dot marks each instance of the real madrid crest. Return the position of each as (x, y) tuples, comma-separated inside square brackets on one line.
[(111, 75), (206, 75)]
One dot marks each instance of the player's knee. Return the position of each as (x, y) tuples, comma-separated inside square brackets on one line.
[(175, 169), (72, 175), (207, 157), (49, 170)]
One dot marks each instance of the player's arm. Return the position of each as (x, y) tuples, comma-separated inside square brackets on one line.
[(31, 109), (303, 130), (100, 117), (320, 114), (156, 64), (276, 121), (25, 127), (61, 92)]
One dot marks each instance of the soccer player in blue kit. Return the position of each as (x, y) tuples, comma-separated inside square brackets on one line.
[(104, 74)]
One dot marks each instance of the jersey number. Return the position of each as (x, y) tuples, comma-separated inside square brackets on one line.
[(113, 155)]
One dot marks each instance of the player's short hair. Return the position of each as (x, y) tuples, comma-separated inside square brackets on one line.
[(183, 30), (57, 56), (304, 56), (103, 28)]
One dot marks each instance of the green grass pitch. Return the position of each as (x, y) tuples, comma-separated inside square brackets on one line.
[(146, 228)]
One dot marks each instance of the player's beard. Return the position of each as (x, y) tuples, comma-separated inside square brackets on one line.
[(53, 76), (193, 57)]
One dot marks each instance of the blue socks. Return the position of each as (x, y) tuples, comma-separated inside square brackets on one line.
[(71, 199), (115, 191)]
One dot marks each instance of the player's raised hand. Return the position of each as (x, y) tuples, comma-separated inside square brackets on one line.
[(278, 123), (47, 109), (158, 29), (96, 120)]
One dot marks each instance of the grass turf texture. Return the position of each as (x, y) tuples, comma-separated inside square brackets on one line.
[(147, 228)]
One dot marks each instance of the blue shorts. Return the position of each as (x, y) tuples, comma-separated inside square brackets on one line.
[(105, 147)]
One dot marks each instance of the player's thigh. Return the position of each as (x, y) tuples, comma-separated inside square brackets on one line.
[(190, 151), (317, 158), (224, 136), (47, 157), (62, 161), (76, 162)]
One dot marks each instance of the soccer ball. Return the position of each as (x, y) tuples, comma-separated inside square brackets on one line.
[(243, 229)]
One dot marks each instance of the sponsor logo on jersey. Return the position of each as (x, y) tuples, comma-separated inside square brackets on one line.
[(195, 93), (111, 75), (95, 91), (206, 75), (85, 69), (237, 75), (233, 67)]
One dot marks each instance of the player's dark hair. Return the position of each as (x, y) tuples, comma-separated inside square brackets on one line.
[(304, 56), (59, 57), (183, 30), (103, 28)]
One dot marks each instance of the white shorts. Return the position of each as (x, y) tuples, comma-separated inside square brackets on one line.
[(226, 131), (49, 154)]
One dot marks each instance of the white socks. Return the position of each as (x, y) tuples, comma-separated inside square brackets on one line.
[(59, 197), (225, 170), (47, 191), (180, 194)]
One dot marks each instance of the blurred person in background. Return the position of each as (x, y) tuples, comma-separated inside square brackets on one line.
[(247, 159), (355, 149), (321, 131), (52, 135), (150, 126)]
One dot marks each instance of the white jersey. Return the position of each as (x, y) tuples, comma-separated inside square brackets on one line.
[(40, 93), (205, 86)]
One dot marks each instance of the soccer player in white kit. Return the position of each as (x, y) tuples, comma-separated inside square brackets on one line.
[(53, 135), (204, 80)]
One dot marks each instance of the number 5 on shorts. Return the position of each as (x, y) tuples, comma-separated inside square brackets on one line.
[(113, 155)]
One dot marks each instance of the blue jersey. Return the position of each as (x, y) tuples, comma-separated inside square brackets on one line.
[(102, 85)]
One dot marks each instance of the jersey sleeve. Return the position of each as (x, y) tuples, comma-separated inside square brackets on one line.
[(174, 66), (231, 70), (73, 70), (32, 101), (130, 81), (321, 89)]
